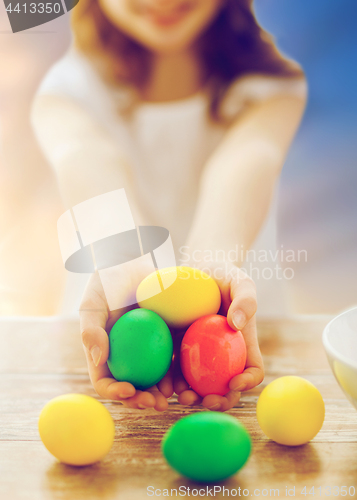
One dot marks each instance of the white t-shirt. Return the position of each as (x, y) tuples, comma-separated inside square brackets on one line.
[(167, 145)]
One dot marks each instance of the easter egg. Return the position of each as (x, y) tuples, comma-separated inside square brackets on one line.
[(76, 429), (207, 446), (211, 355), (140, 348), (290, 411), (180, 295)]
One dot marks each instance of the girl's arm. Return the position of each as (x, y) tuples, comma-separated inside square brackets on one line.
[(87, 161), (237, 186), (238, 181)]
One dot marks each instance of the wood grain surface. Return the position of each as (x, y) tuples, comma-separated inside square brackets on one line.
[(41, 359)]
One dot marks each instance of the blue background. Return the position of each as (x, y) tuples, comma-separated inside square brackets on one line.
[(318, 202)]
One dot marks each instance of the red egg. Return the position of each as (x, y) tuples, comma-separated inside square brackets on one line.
[(211, 355)]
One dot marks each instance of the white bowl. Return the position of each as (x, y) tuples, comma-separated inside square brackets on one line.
[(340, 342)]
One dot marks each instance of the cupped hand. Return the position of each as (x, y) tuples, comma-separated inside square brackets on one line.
[(96, 321), (239, 304)]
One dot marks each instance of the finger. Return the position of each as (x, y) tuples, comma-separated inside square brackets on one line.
[(180, 384), (165, 385), (253, 373), (104, 383), (93, 316), (244, 300), (109, 388), (225, 287), (189, 398), (141, 401), (215, 402), (250, 378), (230, 400), (96, 343), (161, 403)]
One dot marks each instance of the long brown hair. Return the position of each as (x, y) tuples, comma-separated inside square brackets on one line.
[(233, 45)]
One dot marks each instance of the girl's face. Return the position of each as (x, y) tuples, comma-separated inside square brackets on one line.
[(162, 26)]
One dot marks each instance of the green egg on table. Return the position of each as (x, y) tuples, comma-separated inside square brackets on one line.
[(207, 446), (140, 348)]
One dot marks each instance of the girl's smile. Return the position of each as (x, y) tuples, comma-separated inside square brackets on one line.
[(166, 18), (162, 26)]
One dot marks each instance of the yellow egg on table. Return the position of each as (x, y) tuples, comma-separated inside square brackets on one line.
[(76, 429), (290, 411), (180, 295)]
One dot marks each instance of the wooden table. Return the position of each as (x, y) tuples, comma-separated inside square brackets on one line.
[(41, 359)]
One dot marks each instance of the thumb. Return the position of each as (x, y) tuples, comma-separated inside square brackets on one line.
[(244, 302), (96, 343)]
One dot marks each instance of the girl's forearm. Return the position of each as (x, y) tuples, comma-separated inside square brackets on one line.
[(233, 204), (89, 170), (86, 159), (238, 181)]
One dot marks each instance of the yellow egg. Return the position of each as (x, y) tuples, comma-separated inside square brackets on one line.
[(180, 295), (76, 429), (290, 411)]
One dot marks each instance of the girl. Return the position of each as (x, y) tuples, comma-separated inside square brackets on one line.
[(189, 106)]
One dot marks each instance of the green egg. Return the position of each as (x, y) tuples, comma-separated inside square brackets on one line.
[(207, 446), (140, 348)]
